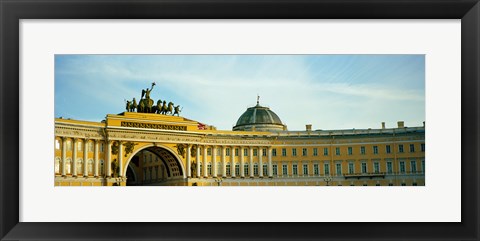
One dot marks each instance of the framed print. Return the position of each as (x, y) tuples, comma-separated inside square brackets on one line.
[(145, 166)]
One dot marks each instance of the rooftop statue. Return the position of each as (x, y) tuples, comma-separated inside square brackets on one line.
[(146, 104)]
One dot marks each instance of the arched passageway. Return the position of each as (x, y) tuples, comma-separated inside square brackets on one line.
[(154, 166)]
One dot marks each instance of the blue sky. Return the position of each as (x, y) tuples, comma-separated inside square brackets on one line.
[(327, 91)]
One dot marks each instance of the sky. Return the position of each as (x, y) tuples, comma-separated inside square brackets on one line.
[(330, 92)]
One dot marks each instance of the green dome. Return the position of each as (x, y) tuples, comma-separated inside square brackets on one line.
[(259, 118)]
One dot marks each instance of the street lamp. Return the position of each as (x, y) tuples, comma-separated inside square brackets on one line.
[(219, 181), (327, 179)]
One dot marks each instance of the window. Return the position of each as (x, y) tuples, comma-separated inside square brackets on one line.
[(201, 169), (387, 149), (209, 169), (294, 151), (80, 166), (255, 152), (402, 167), (412, 148), (364, 167), (375, 149), (228, 167), (326, 170), (422, 147), (265, 170), (90, 167), (219, 169), (338, 168), (325, 151), (79, 146), (337, 151), (227, 151), (315, 169), (90, 146), (315, 151), (284, 152), (275, 170), (413, 166), (245, 152), (57, 165), (255, 169), (389, 168), (237, 169), (423, 166), (69, 145), (284, 170), (304, 151), (362, 150), (400, 148), (376, 167), (102, 168), (305, 169), (350, 150), (264, 152), (274, 152), (245, 169), (57, 144), (219, 151), (236, 151), (295, 169), (209, 151), (351, 168)]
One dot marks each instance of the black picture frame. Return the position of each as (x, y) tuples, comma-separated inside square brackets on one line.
[(12, 11)]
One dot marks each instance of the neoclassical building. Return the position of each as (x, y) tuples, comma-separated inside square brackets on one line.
[(154, 149)]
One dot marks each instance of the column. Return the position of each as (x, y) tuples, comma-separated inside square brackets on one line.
[(232, 161), (251, 161), (198, 161), (189, 167), (270, 166), (64, 156), (214, 161), (95, 156), (120, 159), (224, 162), (242, 165), (205, 169), (260, 163), (74, 157), (108, 159), (85, 158)]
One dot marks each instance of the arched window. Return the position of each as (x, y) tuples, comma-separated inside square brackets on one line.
[(237, 169), (219, 168), (68, 166), (201, 169), (228, 167), (245, 169), (265, 170), (90, 167), (79, 166), (209, 168), (102, 168), (57, 165), (255, 169)]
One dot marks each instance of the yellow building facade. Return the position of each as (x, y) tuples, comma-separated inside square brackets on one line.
[(153, 149)]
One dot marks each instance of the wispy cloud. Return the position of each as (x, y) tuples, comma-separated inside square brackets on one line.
[(327, 91)]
